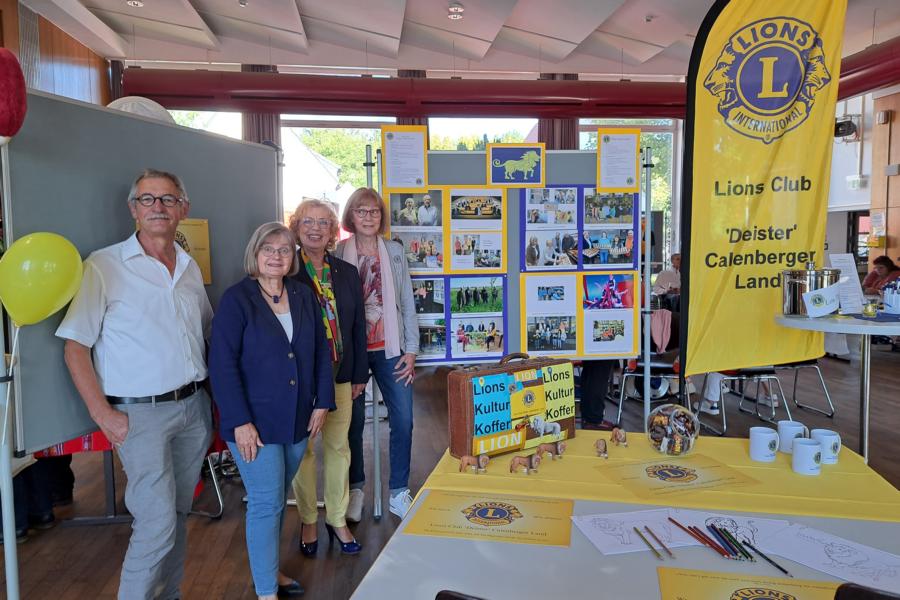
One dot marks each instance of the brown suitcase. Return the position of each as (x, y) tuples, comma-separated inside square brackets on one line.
[(513, 406)]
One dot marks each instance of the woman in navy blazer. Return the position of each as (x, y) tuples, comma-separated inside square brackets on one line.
[(271, 374)]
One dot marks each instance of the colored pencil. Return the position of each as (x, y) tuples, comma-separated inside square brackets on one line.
[(766, 558), (691, 533), (709, 541), (649, 545), (737, 544), (659, 541), (724, 543)]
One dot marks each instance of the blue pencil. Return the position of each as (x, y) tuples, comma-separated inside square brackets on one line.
[(724, 542)]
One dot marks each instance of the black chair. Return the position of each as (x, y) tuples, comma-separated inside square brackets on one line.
[(451, 595), (854, 591)]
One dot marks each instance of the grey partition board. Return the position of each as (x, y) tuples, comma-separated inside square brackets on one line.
[(71, 168), (564, 167)]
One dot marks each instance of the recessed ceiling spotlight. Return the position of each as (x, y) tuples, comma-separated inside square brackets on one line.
[(456, 7), (454, 16), (242, 3), (134, 3)]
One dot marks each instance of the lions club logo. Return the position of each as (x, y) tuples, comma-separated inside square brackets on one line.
[(491, 514), (767, 77), (528, 400), (671, 473), (181, 240), (818, 300), (760, 593)]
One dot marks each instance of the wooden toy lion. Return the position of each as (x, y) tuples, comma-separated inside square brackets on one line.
[(618, 437), (555, 449), (600, 446), (530, 463)]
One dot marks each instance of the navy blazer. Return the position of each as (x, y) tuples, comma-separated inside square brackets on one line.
[(259, 377), (348, 295)]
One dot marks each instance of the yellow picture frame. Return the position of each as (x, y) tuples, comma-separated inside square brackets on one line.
[(387, 129), (635, 186), (490, 165)]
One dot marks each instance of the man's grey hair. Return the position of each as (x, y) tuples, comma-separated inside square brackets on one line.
[(258, 239), (157, 174)]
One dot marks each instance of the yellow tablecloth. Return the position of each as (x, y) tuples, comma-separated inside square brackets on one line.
[(849, 489)]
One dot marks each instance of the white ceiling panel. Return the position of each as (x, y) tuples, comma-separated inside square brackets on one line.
[(370, 25), (242, 29), (153, 29), (569, 20), (450, 43)]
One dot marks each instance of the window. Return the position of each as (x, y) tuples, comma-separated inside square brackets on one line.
[(223, 123), (324, 156), (660, 135), (475, 134)]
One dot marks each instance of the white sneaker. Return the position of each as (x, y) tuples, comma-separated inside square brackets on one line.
[(769, 400), (710, 408), (355, 506), (400, 503)]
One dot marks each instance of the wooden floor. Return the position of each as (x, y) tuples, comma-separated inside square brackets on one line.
[(83, 562)]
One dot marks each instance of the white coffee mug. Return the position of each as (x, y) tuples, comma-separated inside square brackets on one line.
[(787, 431), (807, 459), (831, 444), (763, 444)]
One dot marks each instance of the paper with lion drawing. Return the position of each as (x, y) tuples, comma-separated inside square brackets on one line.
[(667, 475), (836, 556), (688, 584), (494, 518)]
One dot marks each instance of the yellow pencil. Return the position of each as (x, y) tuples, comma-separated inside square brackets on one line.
[(649, 545)]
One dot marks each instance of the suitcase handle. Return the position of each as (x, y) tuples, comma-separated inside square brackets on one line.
[(513, 356)]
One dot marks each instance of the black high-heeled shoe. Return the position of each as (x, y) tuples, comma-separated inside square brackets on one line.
[(308, 549), (291, 590), (351, 547)]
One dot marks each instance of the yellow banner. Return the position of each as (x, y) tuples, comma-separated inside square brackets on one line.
[(762, 87), (686, 584), (512, 519)]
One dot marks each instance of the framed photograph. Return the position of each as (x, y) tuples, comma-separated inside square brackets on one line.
[(607, 291), (551, 334), (550, 294), (472, 337), (608, 209), (550, 250), (516, 165), (424, 250), (609, 332), (416, 210), (429, 296), (607, 247), (432, 338), (550, 208), (476, 209), (476, 295), (476, 251)]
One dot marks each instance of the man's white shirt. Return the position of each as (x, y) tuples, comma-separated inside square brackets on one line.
[(146, 327), (666, 281)]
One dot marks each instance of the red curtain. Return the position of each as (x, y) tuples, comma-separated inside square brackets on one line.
[(411, 74), (559, 134), (261, 127)]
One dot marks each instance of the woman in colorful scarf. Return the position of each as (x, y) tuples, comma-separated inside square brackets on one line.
[(336, 287)]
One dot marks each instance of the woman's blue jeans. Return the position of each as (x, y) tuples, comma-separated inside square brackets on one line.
[(267, 480)]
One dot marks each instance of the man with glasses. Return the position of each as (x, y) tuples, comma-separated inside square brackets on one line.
[(135, 336)]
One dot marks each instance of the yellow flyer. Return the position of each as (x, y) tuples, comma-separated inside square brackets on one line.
[(685, 584), (668, 475), (193, 237), (495, 518)]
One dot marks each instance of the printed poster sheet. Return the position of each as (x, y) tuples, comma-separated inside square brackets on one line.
[(667, 476), (687, 584), (193, 237), (617, 160), (494, 518), (405, 156)]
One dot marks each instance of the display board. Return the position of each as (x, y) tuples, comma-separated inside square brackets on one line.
[(70, 169), (467, 247)]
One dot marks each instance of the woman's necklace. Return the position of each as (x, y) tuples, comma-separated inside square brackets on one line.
[(275, 298)]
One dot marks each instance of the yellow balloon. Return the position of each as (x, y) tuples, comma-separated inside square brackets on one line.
[(39, 274)]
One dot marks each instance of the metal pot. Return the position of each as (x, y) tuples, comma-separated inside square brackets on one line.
[(796, 282)]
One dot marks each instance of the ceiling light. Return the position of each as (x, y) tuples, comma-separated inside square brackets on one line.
[(134, 3), (456, 7), (242, 3), (454, 16)]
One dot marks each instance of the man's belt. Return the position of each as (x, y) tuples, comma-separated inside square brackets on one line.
[(179, 394)]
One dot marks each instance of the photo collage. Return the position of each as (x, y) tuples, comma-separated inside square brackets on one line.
[(461, 317), (579, 314), (570, 228)]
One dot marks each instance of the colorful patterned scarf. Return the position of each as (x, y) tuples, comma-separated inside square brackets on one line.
[(324, 289)]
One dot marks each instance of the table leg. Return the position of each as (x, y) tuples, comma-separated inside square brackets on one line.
[(864, 364)]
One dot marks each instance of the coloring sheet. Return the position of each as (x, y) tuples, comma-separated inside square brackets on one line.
[(744, 528), (613, 533), (836, 556)]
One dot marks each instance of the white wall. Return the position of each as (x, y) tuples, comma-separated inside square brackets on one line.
[(845, 159), (836, 233)]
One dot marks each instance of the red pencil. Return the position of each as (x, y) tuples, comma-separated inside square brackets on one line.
[(700, 539), (712, 542)]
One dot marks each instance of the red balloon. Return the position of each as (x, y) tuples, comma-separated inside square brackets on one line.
[(12, 94)]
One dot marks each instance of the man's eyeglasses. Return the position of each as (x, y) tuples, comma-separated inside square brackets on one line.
[(362, 213), (283, 251), (322, 223), (149, 200)]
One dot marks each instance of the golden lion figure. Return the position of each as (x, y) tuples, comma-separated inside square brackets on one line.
[(526, 165)]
